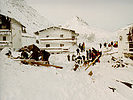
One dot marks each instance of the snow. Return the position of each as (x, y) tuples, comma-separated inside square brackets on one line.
[(88, 33), (25, 82)]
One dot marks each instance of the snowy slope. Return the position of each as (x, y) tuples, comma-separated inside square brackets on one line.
[(23, 13), (88, 33), (25, 82)]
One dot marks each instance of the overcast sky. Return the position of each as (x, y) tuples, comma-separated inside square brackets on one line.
[(106, 14)]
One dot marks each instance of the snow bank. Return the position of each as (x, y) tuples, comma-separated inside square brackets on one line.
[(25, 82)]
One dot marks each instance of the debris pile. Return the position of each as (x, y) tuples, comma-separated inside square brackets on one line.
[(118, 62), (32, 55)]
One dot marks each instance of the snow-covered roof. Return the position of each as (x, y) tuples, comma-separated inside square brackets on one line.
[(28, 35), (61, 28), (12, 19)]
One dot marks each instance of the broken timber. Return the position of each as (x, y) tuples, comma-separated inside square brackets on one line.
[(92, 62), (38, 63)]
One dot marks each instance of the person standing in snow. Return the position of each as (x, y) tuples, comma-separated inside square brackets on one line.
[(83, 46), (105, 44), (80, 46), (93, 57), (111, 43), (100, 45), (87, 55), (79, 59), (83, 58), (68, 57), (90, 54), (77, 51), (73, 57)]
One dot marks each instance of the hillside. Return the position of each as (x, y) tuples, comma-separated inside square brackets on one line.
[(19, 10), (88, 33)]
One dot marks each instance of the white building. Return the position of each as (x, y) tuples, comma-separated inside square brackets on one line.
[(125, 42), (12, 33), (56, 39)]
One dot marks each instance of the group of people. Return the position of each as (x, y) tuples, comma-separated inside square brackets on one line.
[(110, 44), (84, 58), (81, 47)]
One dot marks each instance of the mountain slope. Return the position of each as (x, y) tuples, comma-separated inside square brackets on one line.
[(86, 32), (19, 10)]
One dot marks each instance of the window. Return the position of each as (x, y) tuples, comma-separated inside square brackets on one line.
[(61, 35), (61, 45), (23, 29), (47, 36), (4, 38), (47, 45)]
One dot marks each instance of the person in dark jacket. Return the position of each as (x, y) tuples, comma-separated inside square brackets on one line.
[(80, 46), (83, 58), (73, 57), (77, 51), (100, 45), (87, 55), (68, 57), (105, 44), (111, 43), (90, 54)]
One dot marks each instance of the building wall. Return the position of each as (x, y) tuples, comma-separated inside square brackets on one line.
[(16, 29), (55, 33), (8, 37), (56, 44), (28, 41), (123, 45), (56, 38)]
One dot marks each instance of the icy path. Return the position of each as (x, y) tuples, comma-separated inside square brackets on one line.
[(24, 82)]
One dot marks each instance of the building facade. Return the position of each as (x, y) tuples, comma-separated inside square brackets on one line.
[(56, 39), (125, 42), (12, 33)]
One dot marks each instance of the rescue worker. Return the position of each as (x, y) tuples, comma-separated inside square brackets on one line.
[(68, 57), (77, 51), (73, 57), (87, 55), (100, 45)]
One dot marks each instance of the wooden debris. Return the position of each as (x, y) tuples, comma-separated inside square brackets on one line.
[(39, 63), (126, 83), (92, 62), (113, 89)]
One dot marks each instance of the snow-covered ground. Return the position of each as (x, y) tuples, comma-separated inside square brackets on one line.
[(25, 82)]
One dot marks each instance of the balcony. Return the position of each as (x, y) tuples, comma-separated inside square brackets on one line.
[(5, 32), (4, 43)]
